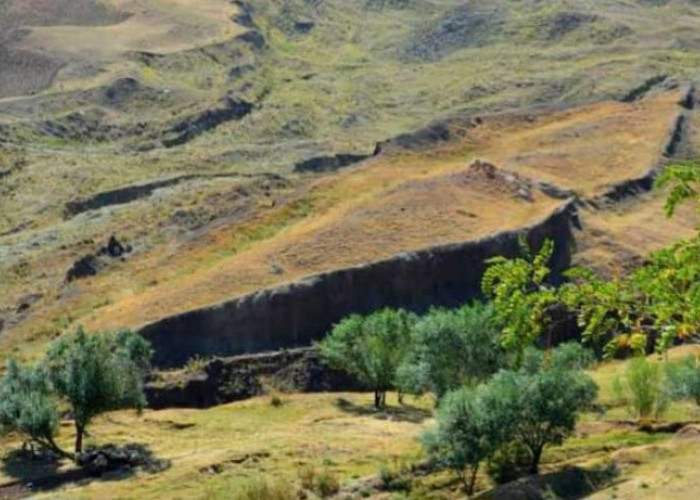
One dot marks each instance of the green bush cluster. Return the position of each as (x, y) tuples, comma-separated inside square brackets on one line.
[(394, 349), (516, 413)]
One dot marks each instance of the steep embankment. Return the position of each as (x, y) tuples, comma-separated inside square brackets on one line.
[(404, 201), (301, 312)]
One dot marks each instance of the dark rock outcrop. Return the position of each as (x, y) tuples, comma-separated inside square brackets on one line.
[(195, 125), (98, 461), (92, 264), (254, 39), (88, 265), (120, 91), (640, 91), (294, 315), (127, 194), (304, 27), (238, 71), (224, 380), (245, 16), (328, 163)]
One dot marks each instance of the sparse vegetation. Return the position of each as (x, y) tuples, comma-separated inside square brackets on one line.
[(645, 389), (259, 488), (684, 379), (339, 76)]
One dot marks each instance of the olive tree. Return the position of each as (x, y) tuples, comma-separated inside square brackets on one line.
[(469, 430), (451, 348), (542, 407), (27, 405), (97, 373), (371, 348)]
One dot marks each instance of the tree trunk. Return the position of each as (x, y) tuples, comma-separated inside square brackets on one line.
[(50, 444), (535, 464), (379, 399), (472, 481), (79, 431)]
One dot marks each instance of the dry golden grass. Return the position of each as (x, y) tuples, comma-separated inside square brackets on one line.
[(158, 26), (361, 215), (586, 149), (251, 438), (617, 239), (409, 201), (391, 204), (219, 448)]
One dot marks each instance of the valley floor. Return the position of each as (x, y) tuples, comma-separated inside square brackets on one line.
[(213, 452)]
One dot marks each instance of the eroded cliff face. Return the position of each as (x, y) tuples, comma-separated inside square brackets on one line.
[(297, 314)]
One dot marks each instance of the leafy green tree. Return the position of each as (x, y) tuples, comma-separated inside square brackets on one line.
[(98, 373), (371, 348), (543, 407), (566, 357), (521, 295), (684, 180), (469, 431), (27, 405), (452, 348)]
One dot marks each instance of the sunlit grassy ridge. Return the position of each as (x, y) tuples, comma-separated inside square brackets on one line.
[(333, 76)]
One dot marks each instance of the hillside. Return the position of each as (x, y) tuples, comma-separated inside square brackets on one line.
[(185, 128), (231, 178)]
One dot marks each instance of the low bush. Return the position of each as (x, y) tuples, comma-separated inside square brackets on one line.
[(684, 379), (645, 389), (258, 489), (395, 479), (326, 484)]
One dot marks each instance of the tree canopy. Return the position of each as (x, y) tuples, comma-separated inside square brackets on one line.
[(451, 348), (370, 347)]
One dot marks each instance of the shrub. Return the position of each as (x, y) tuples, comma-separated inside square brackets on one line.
[(644, 388), (539, 409), (567, 356), (371, 348), (395, 479), (27, 405), (326, 484), (260, 489), (469, 430), (684, 379), (451, 348), (196, 364), (276, 400)]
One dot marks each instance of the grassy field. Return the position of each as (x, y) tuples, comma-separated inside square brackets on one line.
[(214, 451)]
